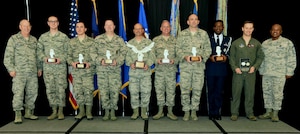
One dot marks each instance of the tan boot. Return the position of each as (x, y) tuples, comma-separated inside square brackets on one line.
[(159, 114), (54, 113), (186, 116), (106, 115), (29, 114), (267, 115), (275, 117), (135, 114), (170, 114), (89, 115), (61, 115), (194, 115), (81, 112), (144, 113), (18, 117), (113, 115)]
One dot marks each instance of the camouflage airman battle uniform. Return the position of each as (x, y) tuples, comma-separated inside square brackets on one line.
[(83, 79), (192, 73), (21, 56), (55, 75), (140, 79), (165, 74), (109, 77), (279, 62)]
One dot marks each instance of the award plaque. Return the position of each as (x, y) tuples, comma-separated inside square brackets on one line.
[(245, 65), (108, 60), (140, 63), (165, 59), (80, 65), (194, 57), (51, 59), (218, 57)]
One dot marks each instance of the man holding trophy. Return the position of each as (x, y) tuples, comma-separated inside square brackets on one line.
[(111, 51), (140, 58), (217, 70), (193, 49), (52, 50), (246, 56), (81, 52), (165, 71)]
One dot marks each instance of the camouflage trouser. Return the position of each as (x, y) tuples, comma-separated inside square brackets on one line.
[(273, 87), (83, 88), (24, 84), (56, 84), (165, 86), (109, 86), (140, 90), (191, 84)]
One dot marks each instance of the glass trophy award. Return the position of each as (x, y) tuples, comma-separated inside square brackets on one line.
[(165, 59), (218, 56), (140, 63), (108, 60), (194, 56), (51, 59), (80, 65), (245, 65)]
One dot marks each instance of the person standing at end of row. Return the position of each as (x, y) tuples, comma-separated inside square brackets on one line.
[(22, 64), (165, 71), (246, 56), (278, 65), (193, 51)]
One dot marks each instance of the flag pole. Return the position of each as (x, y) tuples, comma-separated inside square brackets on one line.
[(123, 105), (27, 9)]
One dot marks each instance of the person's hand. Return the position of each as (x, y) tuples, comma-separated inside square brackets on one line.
[(146, 67), (159, 61), (12, 74), (58, 61), (87, 65), (212, 58), (187, 58), (103, 63), (251, 70), (238, 71), (171, 61), (288, 76), (114, 63), (74, 64), (40, 73), (132, 66)]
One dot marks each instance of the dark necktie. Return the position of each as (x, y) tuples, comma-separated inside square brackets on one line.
[(218, 40)]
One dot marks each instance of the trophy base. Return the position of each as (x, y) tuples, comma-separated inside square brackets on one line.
[(195, 59), (219, 58), (108, 61), (80, 65), (165, 61), (51, 60), (139, 64)]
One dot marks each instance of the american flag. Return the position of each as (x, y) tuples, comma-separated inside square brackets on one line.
[(74, 18)]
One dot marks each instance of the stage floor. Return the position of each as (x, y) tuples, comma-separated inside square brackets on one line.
[(125, 125)]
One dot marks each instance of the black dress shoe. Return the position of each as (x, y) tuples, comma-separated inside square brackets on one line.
[(218, 117)]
